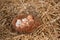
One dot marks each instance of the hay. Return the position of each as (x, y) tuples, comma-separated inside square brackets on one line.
[(48, 11)]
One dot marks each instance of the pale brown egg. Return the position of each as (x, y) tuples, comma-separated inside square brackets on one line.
[(25, 23)]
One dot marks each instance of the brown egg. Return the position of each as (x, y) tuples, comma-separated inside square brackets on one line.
[(25, 23)]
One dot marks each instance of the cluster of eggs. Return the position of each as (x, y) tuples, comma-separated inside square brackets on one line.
[(25, 23)]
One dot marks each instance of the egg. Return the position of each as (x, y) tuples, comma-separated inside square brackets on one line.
[(25, 23)]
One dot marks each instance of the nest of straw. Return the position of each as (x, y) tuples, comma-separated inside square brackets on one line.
[(48, 11)]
